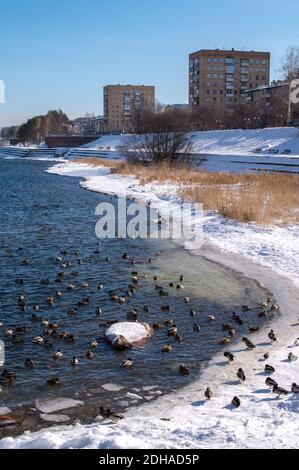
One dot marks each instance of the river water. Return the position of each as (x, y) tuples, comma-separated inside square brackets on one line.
[(44, 216)]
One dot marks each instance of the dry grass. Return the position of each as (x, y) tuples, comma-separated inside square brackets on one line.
[(264, 198)]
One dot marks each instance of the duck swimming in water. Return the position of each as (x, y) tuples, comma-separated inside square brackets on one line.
[(167, 348), (127, 363), (90, 355), (57, 355), (184, 370), (29, 364), (75, 361), (53, 382)]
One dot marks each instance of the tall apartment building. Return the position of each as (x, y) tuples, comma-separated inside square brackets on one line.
[(218, 78), (121, 102)]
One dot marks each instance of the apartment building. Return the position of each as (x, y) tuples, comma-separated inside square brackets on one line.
[(218, 77), (122, 102)]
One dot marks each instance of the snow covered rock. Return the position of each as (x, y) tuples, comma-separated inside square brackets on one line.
[(126, 335)]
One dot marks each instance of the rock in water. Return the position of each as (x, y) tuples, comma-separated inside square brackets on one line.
[(126, 335)]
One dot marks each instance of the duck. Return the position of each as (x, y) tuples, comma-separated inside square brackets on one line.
[(165, 308), (254, 329), (182, 278), (211, 318), (72, 311), (292, 357), (57, 355), (274, 307), (58, 293), (266, 356), (186, 300), (279, 391), (295, 388), (208, 394), (22, 329), (232, 332), (53, 382), (167, 348), (269, 369), (230, 357), (196, 327), (224, 341), (90, 355), (272, 336), (84, 285), (171, 285), (227, 327), (178, 338), (68, 338), (9, 332), (183, 370), (238, 319), (193, 313), (50, 301), (75, 361), (122, 300), (29, 364), (84, 302), (146, 309), (45, 322), (262, 314), (100, 286), (16, 340), (241, 375), (8, 377), (180, 287), (99, 311), (35, 307), (163, 293), (36, 318), (158, 326), (125, 256), (236, 402), (71, 287), (172, 331), (94, 344), (39, 340), (1, 323), (248, 344), (127, 363), (169, 322), (270, 382)]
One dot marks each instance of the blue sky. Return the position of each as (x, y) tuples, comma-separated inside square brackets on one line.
[(60, 53)]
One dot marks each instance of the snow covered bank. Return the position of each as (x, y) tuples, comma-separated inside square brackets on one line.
[(226, 142), (184, 419), (276, 247)]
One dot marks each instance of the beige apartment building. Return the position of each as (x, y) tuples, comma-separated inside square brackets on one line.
[(122, 102), (218, 77)]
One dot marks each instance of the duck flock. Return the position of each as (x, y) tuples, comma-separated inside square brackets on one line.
[(52, 337)]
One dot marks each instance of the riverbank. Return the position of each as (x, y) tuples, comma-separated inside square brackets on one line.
[(184, 419)]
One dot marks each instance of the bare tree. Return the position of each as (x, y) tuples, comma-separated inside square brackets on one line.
[(290, 63), (162, 137)]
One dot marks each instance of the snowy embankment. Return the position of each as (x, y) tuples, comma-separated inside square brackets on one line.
[(184, 419), (224, 142)]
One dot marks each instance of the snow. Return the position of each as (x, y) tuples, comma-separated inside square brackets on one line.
[(223, 142), (184, 419), (133, 332), (112, 387)]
